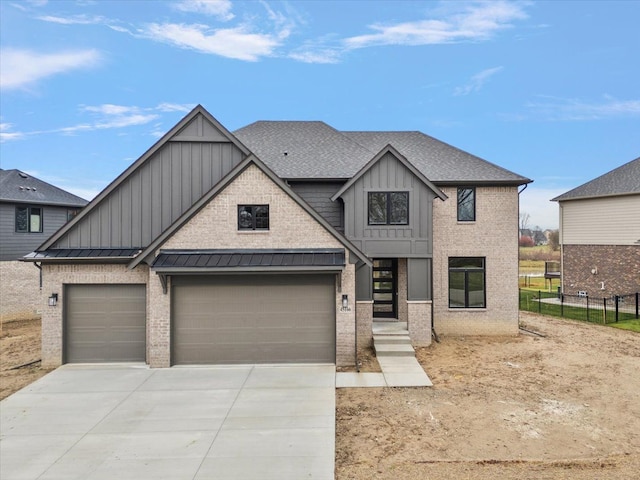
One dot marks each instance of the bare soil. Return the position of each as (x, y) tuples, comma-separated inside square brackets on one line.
[(562, 406), (20, 342)]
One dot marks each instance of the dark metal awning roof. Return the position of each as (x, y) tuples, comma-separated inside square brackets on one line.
[(218, 261), (106, 255)]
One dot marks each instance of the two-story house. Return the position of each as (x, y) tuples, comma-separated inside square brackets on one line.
[(30, 211), (600, 234), (282, 242)]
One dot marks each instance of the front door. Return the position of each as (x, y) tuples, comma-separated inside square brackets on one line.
[(385, 288)]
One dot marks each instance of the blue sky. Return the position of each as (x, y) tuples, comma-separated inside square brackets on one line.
[(549, 90)]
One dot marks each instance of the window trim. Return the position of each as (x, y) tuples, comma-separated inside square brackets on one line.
[(253, 208), (474, 200), (466, 271), (387, 195), (29, 209)]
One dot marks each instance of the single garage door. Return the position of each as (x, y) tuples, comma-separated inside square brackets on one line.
[(104, 323), (253, 319)]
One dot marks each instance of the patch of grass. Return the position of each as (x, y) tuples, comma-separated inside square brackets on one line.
[(632, 325), (540, 253), (529, 301)]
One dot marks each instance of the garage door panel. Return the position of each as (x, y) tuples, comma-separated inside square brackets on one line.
[(253, 319), (105, 323)]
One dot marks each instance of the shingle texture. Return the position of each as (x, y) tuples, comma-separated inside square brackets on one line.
[(623, 180), (315, 150), (20, 187)]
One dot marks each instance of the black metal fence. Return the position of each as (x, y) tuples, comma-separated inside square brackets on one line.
[(581, 307)]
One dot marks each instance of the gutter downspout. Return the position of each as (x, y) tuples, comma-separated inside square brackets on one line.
[(39, 267)]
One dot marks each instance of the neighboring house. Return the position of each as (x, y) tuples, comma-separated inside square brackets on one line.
[(600, 234), (30, 211), (282, 242)]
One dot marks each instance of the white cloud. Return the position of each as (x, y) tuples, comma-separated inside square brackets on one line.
[(73, 20), (477, 81), (175, 107), (471, 22), (6, 135), (238, 42), (569, 109), (216, 8), (326, 55), (116, 116), (22, 68)]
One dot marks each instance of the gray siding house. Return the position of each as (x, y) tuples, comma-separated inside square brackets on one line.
[(282, 242), (600, 234), (31, 210)]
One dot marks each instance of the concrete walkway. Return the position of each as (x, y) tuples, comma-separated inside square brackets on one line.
[(396, 357), (132, 422)]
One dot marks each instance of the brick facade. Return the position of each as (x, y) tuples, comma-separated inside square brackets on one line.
[(19, 291), (55, 277), (403, 310), (215, 226), (494, 236), (419, 324), (601, 270)]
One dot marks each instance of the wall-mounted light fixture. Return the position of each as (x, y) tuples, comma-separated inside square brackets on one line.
[(53, 300), (594, 271), (345, 301)]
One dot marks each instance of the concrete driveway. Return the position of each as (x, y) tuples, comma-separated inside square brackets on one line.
[(132, 422)]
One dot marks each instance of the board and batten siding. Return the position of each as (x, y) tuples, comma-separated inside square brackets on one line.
[(14, 245), (414, 239), (601, 221), (318, 196), (152, 197)]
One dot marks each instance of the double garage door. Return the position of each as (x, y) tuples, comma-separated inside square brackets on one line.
[(214, 320), (253, 319)]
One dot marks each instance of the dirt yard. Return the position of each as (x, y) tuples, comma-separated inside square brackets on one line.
[(563, 406), (19, 346)]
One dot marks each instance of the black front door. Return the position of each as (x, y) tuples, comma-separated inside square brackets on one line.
[(385, 287)]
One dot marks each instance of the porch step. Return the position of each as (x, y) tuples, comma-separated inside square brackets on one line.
[(390, 328), (398, 338), (394, 350)]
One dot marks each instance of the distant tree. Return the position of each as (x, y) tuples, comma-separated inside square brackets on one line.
[(524, 221), (526, 241), (554, 240)]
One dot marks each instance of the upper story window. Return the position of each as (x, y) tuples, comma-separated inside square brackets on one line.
[(467, 282), (29, 219), (388, 208), (466, 204), (253, 217), (72, 213)]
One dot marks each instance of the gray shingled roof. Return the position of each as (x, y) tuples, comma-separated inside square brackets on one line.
[(317, 151), (20, 187), (624, 180)]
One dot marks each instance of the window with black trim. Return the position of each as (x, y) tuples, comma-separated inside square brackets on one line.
[(467, 282), (29, 219), (466, 204), (388, 208), (253, 217)]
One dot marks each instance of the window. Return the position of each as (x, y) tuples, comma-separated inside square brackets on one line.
[(467, 282), (466, 204), (253, 217), (388, 208), (72, 213), (29, 219)]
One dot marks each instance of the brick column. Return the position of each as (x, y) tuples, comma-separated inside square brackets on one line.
[(419, 322)]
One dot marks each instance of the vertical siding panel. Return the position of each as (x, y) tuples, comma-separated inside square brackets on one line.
[(186, 159), (136, 224)]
